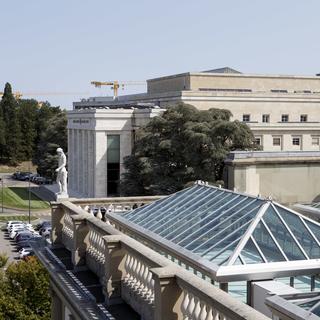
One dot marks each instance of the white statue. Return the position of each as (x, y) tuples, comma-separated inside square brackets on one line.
[(62, 175)]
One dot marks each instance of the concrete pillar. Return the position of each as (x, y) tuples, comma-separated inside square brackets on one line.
[(100, 164), (69, 160), (114, 269), (167, 296), (91, 163), (76, 162), (80, 239), (56, 306), (80, 160), (85, 162), (57, 213)]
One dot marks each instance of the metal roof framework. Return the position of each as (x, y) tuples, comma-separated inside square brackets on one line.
[(240, 236)]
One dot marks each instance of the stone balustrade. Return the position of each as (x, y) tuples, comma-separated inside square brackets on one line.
[(116, 204), (151, 284)]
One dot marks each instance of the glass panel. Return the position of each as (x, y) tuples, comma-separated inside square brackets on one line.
[(218, 221), (282, 235), (266, 244), (165, 222), (224, 228), (199, 219), (193, 215), (250, 254), (172, 204), (221, 255), (301, 233), (316, 310), (238, 262), (113, 148), (223, 241), (314, 228), (307, 305)]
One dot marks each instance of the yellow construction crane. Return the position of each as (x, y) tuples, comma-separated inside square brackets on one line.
[(115, 85), (17, 95)]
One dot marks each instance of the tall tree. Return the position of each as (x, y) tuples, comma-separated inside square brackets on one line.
[(2, 135), (54, 136), (12, 147), (27, 113), (180, 146)]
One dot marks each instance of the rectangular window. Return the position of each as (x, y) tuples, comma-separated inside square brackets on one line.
[(303, 118), (113, 164), (257, 141), (246, 118), (276, 141), (285, 118), (265, 118), (296, 141), (279, 91), (315, 141)]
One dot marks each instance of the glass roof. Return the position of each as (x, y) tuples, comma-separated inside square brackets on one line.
[(228, 228)]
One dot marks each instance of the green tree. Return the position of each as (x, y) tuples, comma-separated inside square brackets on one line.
[(2, 135), (27, 112), (24, 291), (11, 150), (182, 145), (54, 136)]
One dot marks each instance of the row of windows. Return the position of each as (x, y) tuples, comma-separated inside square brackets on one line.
[(250, 90), (296, 141), (266, 118)]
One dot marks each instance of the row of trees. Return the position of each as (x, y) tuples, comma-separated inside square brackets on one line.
[(182, 145), (30, 131)]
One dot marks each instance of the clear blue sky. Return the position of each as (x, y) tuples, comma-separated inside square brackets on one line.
[(61, 45)]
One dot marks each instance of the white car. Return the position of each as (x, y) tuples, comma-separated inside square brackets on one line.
[(24, 252), (12, 222), (13, 231)]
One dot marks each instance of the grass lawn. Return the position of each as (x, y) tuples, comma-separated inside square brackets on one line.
[(15, 197), (19, 218)]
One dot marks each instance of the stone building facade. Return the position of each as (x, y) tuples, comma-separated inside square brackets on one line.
[(282, 112)]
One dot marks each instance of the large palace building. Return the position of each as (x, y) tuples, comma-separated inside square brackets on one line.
[(282, 111)]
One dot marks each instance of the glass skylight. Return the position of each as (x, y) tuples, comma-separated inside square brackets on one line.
[(229, 228)]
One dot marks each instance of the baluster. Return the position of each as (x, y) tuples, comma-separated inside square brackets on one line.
[(190, 306), (196, 309), (203, 311), (185, 304), (210, 313), (86, 208)]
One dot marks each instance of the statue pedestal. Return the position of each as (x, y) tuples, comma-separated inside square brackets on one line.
[(62, 196)]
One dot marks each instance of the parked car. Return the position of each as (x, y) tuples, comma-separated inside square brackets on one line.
[(25, 252), (23, 176), (34, 177), (12, 222), (42, 180), (22, 235), (42, 224)]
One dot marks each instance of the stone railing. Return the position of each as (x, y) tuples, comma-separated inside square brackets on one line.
[(116, 204), (151, 284)]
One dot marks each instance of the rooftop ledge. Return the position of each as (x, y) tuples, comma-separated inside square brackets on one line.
[(272, 156)]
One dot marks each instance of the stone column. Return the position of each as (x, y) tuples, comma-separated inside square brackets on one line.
[(75, 159), (70, 160), (80, 238), (167, 294), (56, 306), (80, 160), (100, 164), (57, 214), (114, 269), (85, 162)]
